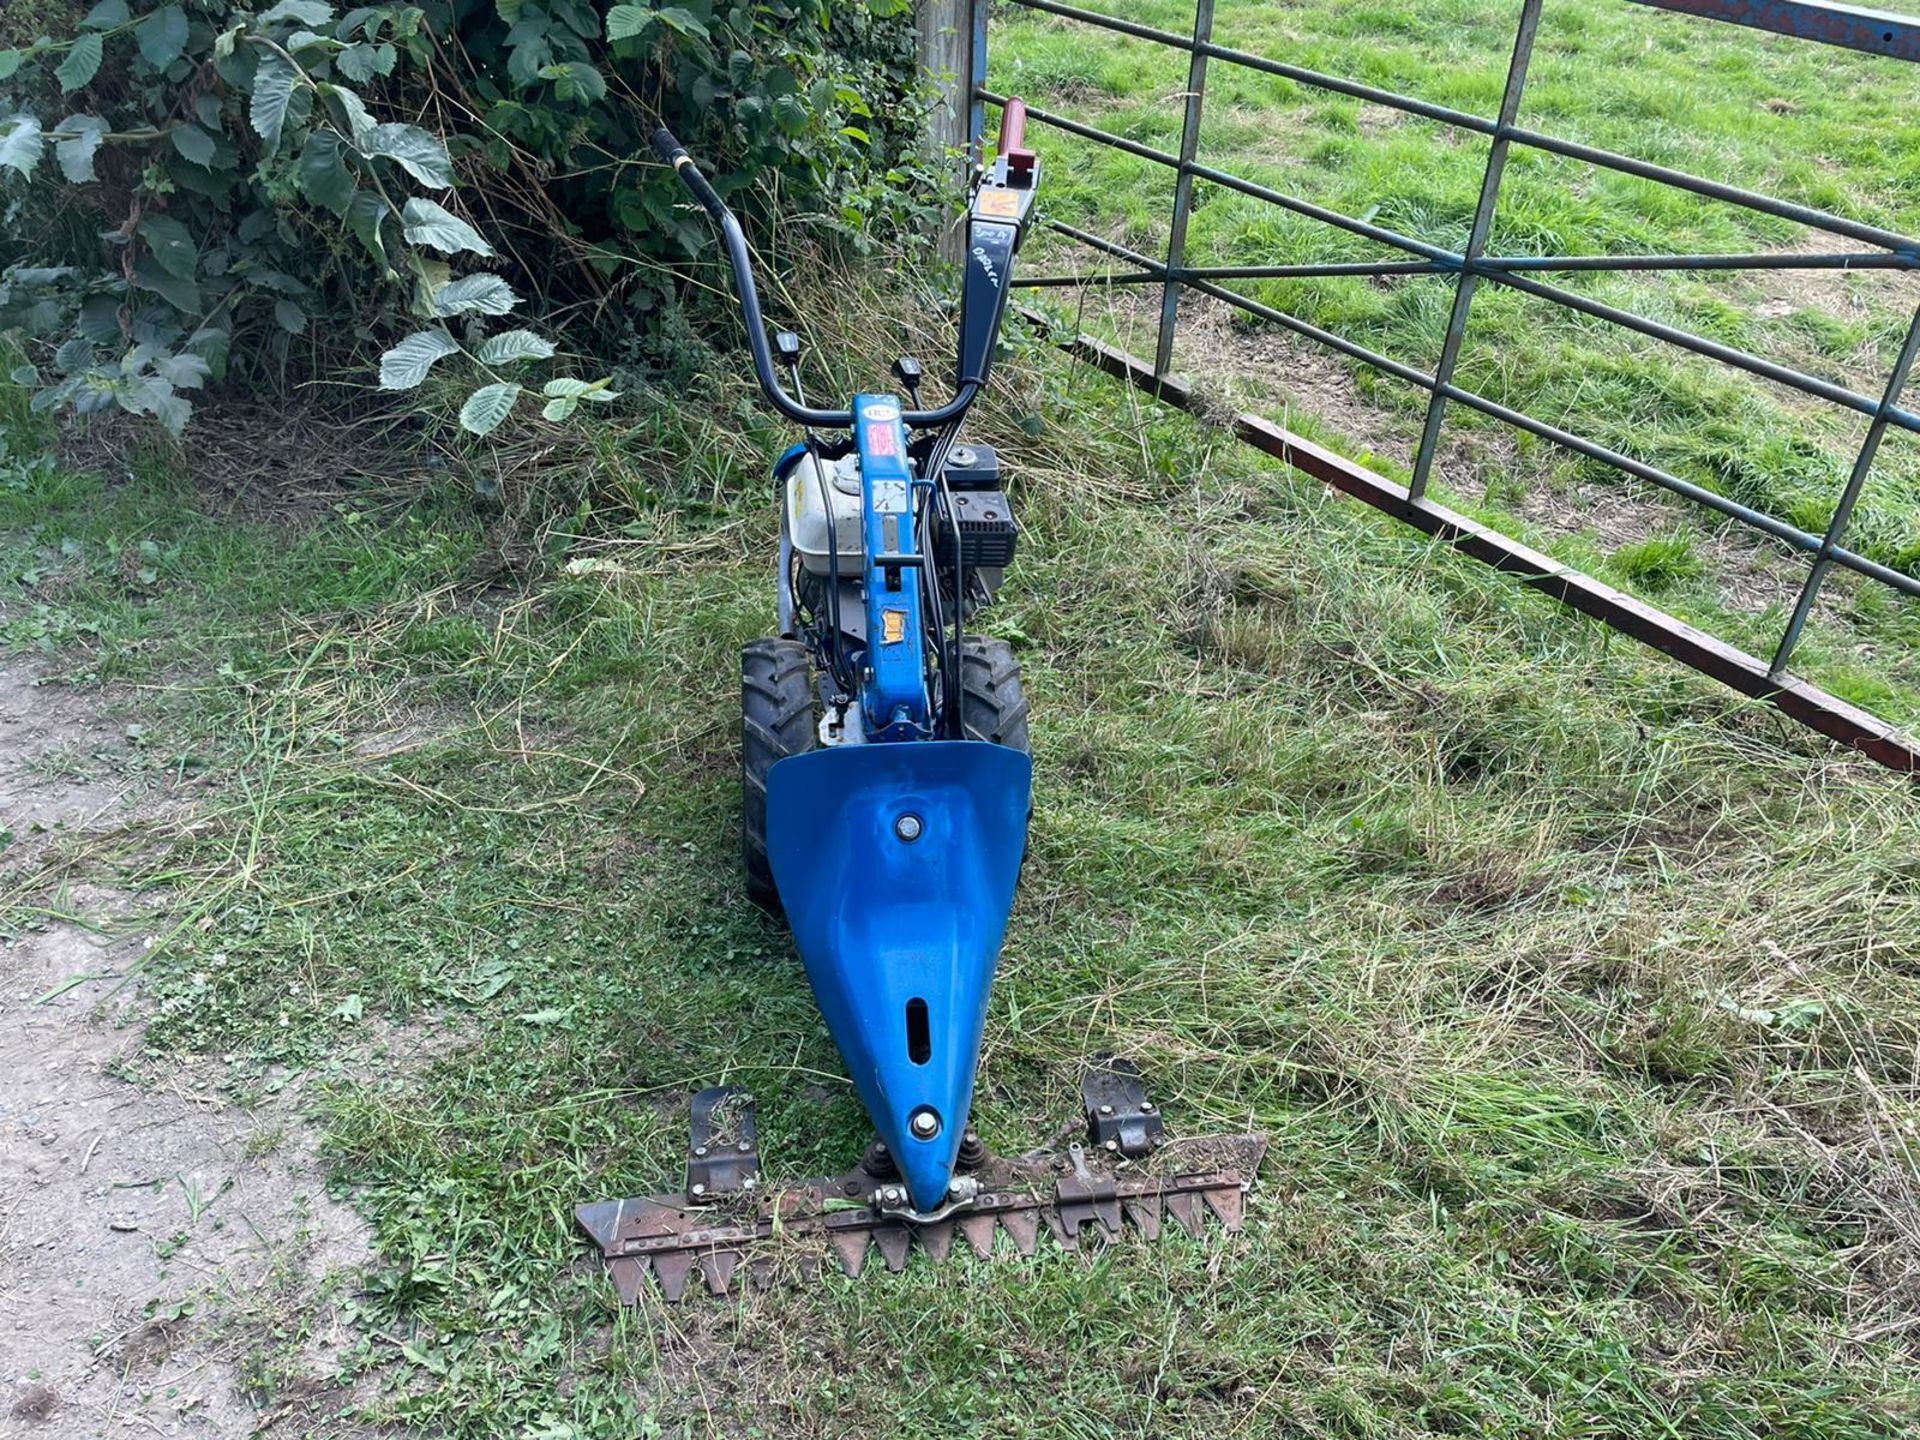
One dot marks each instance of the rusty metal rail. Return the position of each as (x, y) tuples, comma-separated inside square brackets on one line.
[(1733, 667)]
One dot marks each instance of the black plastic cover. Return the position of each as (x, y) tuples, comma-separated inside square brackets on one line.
[(973, 467), (988, 534)]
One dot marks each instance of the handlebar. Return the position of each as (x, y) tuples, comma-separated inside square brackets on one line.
[(675, 154)]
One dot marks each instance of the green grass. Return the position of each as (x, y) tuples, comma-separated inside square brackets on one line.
[(1579, 999), (1812, 124)]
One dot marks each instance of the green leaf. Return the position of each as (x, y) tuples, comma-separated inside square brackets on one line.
[(99, 319), (181, 293), (359, 122), (487, 407), (790, 114), (360, 63), (558, 409), (273, 86), (193, 143), (162, 36), (21, 147), (414, 150), (306, 12), (365, 216), (78, 140), (171, 244), (106, 15), (74, 355), (9, 63), (426, 223), (290, 316), (224, 42), (325, 177), (626, 21), (185, 371), (82, 63), (675, 18), (475, 295), (511, 345), (407, 364), (575, 80)]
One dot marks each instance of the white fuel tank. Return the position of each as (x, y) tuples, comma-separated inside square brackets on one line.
[(808, 501)]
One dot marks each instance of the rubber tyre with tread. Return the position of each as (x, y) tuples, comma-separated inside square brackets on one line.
[(995, 703), (776, 720)]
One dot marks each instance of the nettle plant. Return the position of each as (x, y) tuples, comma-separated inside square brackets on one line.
[(227, 127), (190, 187)]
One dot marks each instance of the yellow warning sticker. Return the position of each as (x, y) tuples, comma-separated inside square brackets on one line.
[(1002, 204), (893, 626)]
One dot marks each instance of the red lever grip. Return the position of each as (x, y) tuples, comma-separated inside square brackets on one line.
[(1013, 126)]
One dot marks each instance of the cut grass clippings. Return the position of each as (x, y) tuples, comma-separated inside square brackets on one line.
[(1578, 997)]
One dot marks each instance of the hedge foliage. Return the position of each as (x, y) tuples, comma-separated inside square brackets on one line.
[(189, 186)]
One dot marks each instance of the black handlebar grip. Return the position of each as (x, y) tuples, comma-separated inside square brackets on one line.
[(675, 154)]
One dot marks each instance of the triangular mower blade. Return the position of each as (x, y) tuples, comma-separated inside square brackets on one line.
[(1024, 1227), (1145, 1214), (851, 1248), (716, 1268), (629, 1274), (1184, 1209), (673, 1270), (1068, 1237), (894, 1242), (1229, 1205), (978, 1231), (937, 1239)]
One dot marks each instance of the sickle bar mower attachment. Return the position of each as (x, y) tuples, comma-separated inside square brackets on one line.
[(752, 1233)]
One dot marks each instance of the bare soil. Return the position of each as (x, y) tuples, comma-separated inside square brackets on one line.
[(139, 1224)]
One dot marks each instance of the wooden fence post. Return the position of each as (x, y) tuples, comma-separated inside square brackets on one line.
[(953, 56)]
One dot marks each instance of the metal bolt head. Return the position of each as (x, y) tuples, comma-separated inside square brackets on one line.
[(908, 827), (744, 1145), (1113, 1144), (1106, 1109), (699, 1189), (699, 1150), (924, 1124), (1146, 1107)]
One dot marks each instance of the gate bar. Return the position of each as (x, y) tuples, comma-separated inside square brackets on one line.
[(1867, 260), (1448, 260), (1463, 287), (1579, 444), (1807, 703), (1183, 185), (1843, 510), (1843, 25)]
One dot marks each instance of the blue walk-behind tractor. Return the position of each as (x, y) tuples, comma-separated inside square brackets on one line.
[(886, 790)]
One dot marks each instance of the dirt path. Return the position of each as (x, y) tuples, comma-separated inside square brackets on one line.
[(143, 1231)]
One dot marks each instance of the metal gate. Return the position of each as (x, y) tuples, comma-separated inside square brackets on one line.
[(1855, 246)]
